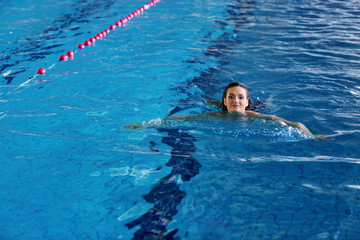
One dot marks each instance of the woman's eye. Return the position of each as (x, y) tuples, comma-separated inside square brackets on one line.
[(231, 97)]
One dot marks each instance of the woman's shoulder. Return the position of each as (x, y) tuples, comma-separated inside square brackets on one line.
[(260, 115), (250, 113)]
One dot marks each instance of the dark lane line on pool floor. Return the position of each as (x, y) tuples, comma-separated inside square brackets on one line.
[(210, 79), (167, 195)]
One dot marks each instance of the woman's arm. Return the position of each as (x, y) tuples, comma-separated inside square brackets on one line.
[(169, 120), (293, 124), (152, 123), (158, 122)]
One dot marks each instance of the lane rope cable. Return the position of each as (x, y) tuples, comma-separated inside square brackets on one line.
[(88, 42)]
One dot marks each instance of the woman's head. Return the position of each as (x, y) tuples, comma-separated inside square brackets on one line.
[(235, 98)]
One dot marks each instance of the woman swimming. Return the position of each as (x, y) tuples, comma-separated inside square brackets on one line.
[(236, 100)]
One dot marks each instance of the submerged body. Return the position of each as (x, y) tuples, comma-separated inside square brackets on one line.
[(235, 116), (236, 99), (235, 105)]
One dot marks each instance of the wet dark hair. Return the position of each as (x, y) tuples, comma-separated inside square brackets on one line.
[(235, 84)]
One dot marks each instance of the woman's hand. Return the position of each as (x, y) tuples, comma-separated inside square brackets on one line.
[(323, 137)]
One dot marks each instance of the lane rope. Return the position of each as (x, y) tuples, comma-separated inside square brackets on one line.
[(89, 42), (102, 34)]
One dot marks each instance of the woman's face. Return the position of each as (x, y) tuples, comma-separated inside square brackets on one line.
[(236, 99)]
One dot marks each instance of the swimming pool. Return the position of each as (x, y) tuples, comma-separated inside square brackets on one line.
[(70, 170)]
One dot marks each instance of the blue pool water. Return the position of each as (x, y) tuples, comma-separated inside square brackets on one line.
[(71, 170)]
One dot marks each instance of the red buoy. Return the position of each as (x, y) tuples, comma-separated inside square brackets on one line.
[(70, 53), (92, 39), (87, 43), (112, 27), (63, 58), (41, 71), (118, 23), (81, 46), (107, 30)]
